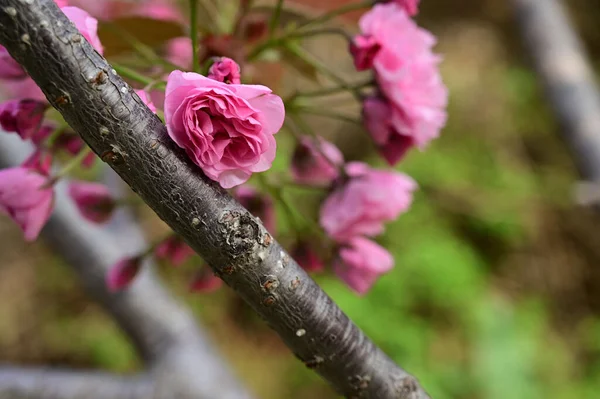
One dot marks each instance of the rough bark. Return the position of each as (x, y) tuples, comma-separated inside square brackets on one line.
[(180, 360), (115, 123), (564, 69)]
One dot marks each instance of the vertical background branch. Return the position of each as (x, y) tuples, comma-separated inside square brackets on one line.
[(564, 69)]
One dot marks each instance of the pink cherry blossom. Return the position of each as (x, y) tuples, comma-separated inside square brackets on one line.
[(146, 100), (86, 24), (40, 161), (205, 282), (378, 120), (410, 6), (179, 52), (9, 68), (307, 258), (316, 162), (361, 262), (364, 48), (365, 202), (122, 273), (22, 89), (73, 144), (258, 205), (23, 117), (93, 200), (174, 250), (407, 72), (24, 197), (226, 129), (225, 70)]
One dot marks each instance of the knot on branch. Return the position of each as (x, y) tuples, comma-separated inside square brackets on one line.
[(241, 232)]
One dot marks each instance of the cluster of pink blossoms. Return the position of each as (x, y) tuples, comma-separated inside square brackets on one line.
[(409, 108), (26, 192), (228, 130)]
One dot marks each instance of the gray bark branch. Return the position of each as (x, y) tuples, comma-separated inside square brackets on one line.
[(563, 66), (115, 123), (181, 360)]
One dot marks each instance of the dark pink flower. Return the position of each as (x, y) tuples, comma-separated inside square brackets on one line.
[(179, 52), (307, 258), (42, 134), (316, 162), (361, 262), (258, 205), (23, 117), (225, 70), (86, 24), (73, 144), (146, 100), (205, 281), (93, 200), (22, 89), (122, 273), (407, 72), (365, 202), (40, 161), (364, 48), (226, 129), (61, 3), (410, 6), (379, 122), (24, 197), (174, 250), (9, 68)]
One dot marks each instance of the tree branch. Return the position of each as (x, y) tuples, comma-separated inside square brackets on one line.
[(564, 68), (182, 361), (23, 383), (108, 115)]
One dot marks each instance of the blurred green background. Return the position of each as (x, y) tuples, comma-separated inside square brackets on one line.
[(496, 289)]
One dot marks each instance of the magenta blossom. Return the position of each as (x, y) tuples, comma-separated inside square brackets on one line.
[(40, 161), (25, 198), (174, 250), (226, 129), (407, 71), (73, 144), (86, 24), (364, 48), (93, 200), (307, 258), (122, 273), (379, 121), (23, 117), (316, 162), (9, 68), (362, 205), (361, 262), (410, 6), (225, 70), (205, 282), (146, 99), (258, 205), (22, 89)]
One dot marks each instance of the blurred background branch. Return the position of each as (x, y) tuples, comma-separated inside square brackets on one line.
[(181, 361), (564, 68)]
